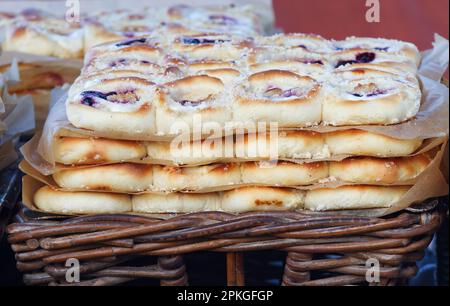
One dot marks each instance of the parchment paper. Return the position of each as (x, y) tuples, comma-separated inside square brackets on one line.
[(16, 117)]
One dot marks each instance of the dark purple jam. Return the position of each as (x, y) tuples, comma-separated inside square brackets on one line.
[(303, 47), (88, 97), (131, 42), (361, 58), (121, 61), (290, 93), (377, 92), (365, 57), (188, 103), (372, 94), (343, 63)]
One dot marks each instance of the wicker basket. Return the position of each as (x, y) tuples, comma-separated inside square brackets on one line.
[(322, 249)]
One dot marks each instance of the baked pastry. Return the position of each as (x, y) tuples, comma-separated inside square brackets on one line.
[(176, 202), (375, 50), (120, 24), (122, 105), (192, 152), (368, 170), (138, 54), (279, 96), (86, 151), (366, 96), (290, 80), (315, 69), (36, 32), (286, 145), (211, 47), (189, 103), (123, 177), (359, 142), (67, 202), (283, 173), (262, 198), (260, 146), (244, 19), (282, 145), (354, 197), (167, 178), (307, 42)]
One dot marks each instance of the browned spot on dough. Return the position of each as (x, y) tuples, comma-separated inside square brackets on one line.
[(269, 202)]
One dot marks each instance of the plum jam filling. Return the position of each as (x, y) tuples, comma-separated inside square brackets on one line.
[(194, 103), (276, 92), (119, 62), (365, 57), (368, 90), (91, 97), (361, 58), (200, 41), (131, 42), (385, 49)]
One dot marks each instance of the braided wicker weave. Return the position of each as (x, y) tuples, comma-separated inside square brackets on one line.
[(322, 249)]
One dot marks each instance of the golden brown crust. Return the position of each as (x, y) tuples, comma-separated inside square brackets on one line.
[(367, 170), (67, 202), (85, 151)]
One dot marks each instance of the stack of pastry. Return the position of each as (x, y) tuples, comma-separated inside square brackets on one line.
[(137, 90), (142, 87)]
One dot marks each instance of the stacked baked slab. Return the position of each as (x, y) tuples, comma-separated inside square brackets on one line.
[(42, 33), (312, 94)]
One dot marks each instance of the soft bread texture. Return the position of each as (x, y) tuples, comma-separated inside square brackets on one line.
[(358, 142), (85, 151), (176, 202), (193, 152), (124, 177), (261, 199), (186, 98), (66, 202), (367, 170), (122, 105), (283, 173), (279, 96), (168, 178), (284, 145), (353, 197)]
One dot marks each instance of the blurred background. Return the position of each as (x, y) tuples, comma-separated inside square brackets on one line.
[(411, 20)]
